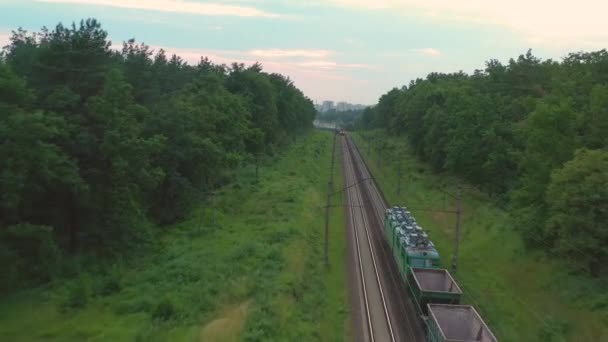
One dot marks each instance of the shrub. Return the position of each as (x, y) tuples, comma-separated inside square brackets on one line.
[(553, 330), (164, 311), (78, 293), (134, 306), (108, 285), (28, 255)]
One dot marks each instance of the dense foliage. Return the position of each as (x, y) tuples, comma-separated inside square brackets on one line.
[(97, 145), (531, 132)]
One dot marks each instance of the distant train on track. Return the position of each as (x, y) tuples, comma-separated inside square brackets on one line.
[(435, 293)]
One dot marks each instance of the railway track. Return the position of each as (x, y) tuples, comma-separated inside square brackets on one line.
[(374, 309), (386, 313)]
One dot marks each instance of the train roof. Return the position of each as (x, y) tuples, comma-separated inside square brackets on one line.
[(414, 239), (460, 323), (435, 280)]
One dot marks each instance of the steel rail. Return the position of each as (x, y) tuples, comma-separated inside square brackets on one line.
[(380, 206), (359, 197), (352, 221)]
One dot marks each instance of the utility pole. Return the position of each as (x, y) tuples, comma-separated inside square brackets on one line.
[(457, 237), (326, 246)]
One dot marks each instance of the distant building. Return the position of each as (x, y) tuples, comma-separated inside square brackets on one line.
[(342, 106), (327, 106), (338, 107)]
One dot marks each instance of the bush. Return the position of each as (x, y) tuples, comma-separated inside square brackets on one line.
[(78, 293), (110, 283), (261, 325), (164, 311), (553, 330), (28, 254), (134, 306)]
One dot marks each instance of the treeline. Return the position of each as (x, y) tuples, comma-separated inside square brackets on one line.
[(345, 119), (98, 145), (533, 133)]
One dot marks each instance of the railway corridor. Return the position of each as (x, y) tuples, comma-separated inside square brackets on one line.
[(382, 310)]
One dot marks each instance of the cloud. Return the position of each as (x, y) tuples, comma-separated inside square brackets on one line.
[(176, 6), (280, 53), (330, 65), (5, 39), (428, 52), (193, 56), (546, 21), (305, 69)]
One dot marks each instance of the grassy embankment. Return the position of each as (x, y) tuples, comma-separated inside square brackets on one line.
[(522, 295), (257, 276)]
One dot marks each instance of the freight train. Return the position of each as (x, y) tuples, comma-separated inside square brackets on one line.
[(434, 291)]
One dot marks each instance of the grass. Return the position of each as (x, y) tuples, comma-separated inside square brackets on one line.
[(258, 275), (523, 295)]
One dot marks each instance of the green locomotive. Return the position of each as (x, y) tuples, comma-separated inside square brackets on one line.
[(418, 261), (409, 242)]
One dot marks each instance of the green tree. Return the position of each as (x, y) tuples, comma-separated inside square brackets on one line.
[(97, 144), (594, 121), (577, 199), (34, 173), (116, 163), (257, 89), (206, 128), (549, 134)]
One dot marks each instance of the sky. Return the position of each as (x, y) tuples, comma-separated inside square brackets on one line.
[(340, 50)]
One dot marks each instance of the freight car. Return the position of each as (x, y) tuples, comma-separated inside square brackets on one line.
[(433, 286), (447, 323), (434, 291)]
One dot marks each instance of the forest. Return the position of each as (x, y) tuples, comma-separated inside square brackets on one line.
[(531, 133), (99, 147)]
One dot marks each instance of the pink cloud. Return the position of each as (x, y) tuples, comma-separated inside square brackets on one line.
[(316, 77), (549, 22), (280, 53), (5, 39), (428, 52), (179, 6)]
